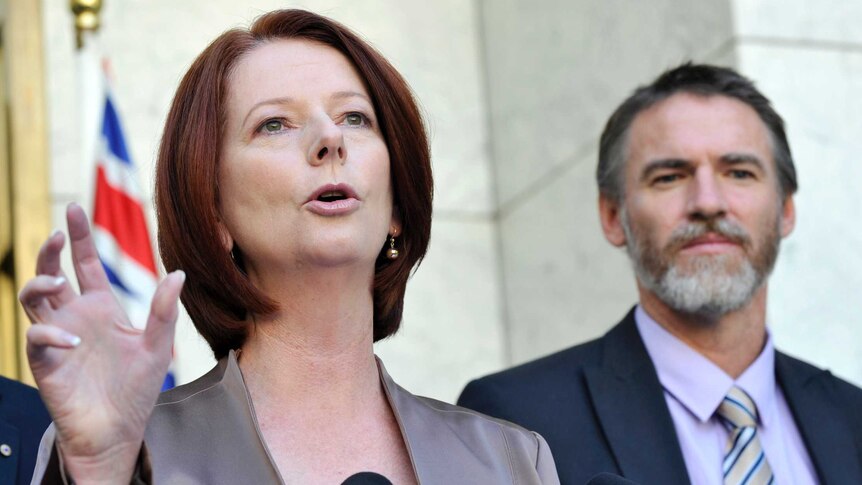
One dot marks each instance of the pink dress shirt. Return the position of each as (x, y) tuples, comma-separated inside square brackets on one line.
[(693, 389)]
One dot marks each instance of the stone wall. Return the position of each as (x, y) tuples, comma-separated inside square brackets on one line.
[(807, 57)]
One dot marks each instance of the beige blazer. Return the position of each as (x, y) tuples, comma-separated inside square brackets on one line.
[(206, 432)]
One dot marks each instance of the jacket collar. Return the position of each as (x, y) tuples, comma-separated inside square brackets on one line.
[(830, 441), (409, 424), (228, 376), (630, 405)]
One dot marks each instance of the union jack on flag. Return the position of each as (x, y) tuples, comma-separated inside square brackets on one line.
[(120, 225)]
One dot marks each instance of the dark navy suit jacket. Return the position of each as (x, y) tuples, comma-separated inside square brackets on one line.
[(601, 408), (23, 420)]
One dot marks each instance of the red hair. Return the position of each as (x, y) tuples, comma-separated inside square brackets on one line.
[(217, 294)]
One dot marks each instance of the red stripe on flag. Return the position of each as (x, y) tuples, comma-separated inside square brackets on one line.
[(123, 217)]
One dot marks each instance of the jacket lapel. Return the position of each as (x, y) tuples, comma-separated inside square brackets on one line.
[(445, 448), (9, 436), (631, 408), (827, 436), (426, 463), (213, 414)]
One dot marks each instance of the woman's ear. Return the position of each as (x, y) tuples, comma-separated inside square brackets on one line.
[(395, 222), (224, 236)]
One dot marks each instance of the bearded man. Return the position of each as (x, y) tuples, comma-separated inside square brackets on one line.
[(696, 181)]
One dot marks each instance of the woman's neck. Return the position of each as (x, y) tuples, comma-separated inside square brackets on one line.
[(318, 345), (313, 380)]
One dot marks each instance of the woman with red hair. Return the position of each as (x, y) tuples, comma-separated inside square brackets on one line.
[(293, 195)]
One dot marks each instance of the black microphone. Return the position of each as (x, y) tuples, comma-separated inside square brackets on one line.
[(366, 478), (609, 479)]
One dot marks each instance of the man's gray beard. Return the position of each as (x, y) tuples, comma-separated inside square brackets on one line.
[(710, 287)]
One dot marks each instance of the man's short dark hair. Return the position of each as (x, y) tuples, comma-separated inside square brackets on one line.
[(698, 79)]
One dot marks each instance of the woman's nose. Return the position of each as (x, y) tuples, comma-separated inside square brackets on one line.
[(327, 143)]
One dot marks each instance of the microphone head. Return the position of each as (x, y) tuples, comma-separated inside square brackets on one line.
[(366, 478), (609, 479)]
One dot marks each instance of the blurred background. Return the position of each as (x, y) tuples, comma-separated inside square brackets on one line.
[(515, 94)]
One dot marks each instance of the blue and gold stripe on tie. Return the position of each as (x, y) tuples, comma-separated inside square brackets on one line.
[(744, 460)]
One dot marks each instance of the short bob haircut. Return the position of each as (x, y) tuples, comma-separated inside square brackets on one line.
[(217, 294), (700, 80)]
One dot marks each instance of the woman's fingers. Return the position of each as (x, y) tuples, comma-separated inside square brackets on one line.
[(48, 263), (51, 336), (43, 341), (159, 333), (41, 338), (88, 267), (36, 295)]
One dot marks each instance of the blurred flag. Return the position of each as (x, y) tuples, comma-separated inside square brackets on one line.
[(120, 225)]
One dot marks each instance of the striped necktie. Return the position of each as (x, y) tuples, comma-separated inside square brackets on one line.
[(744, 461)]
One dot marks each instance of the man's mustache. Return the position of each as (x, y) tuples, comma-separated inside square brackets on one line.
[(684, 235)]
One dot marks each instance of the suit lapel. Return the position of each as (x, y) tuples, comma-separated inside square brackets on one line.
[(827, 437), (9, 436), (419, 433), (447, 444), (631, 408)]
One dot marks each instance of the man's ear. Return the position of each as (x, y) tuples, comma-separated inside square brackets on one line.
[(610, 215), (788, 216)]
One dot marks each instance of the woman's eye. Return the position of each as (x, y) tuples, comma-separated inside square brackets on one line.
[(354, 119), (272, 126)]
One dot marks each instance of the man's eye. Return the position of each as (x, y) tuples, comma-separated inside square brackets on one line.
[(354, 119), (272, 126), (741, 174), (666, 179)]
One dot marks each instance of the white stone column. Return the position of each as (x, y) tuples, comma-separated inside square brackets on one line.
[(807, 58)]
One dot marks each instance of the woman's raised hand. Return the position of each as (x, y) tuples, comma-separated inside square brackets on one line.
[(99, 376)]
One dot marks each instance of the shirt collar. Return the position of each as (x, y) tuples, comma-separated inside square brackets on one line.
[(759, 382), (697, 383)]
